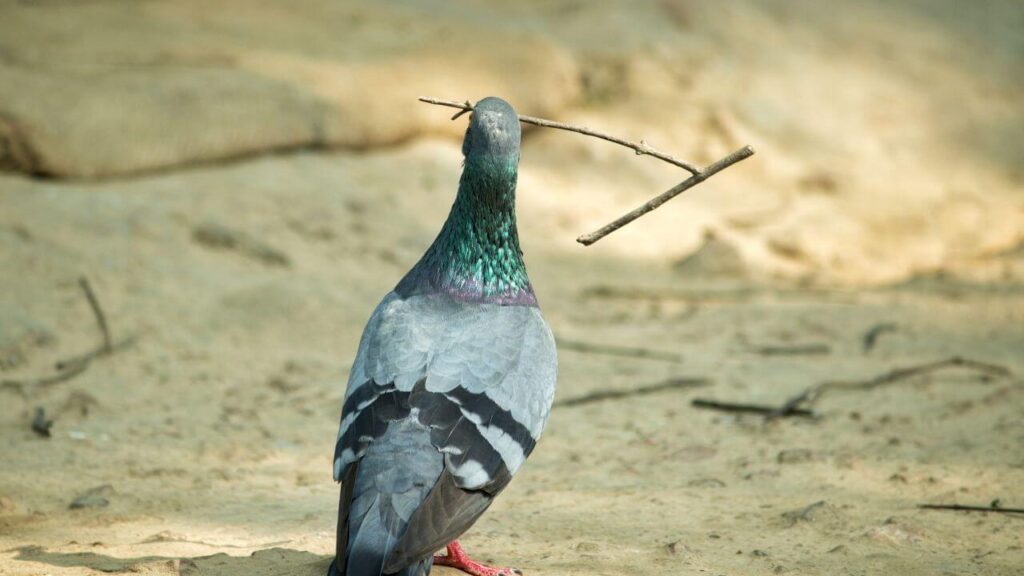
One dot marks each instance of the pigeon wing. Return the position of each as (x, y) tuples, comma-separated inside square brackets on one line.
[(480, 377)]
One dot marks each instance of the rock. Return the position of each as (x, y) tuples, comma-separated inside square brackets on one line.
[(714, 258), (705, 483), (41, 424), (217, 236), (795, 456), (695, 453), (895, 532), (839, 549), (93, 498), (78, 404), (586, 546), (805, 514), (149, 88)]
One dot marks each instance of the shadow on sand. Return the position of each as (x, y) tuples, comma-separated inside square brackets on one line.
[(269, 562)]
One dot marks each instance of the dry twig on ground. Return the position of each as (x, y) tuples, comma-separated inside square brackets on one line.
[(873, 333), (601, 395), (71, 367), (641, 148), (621, 351), (793, 350), (966, 508), (747, 408), (814, 392)]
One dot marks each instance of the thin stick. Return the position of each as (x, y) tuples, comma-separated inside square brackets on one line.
[(798, 350), (601, 395), (68, 372), (746, 408), (895, 375), (75, 365), (641, 148), (654, 203), (971, 508), (622, 351), (107, 345), (872, 335), (97, 311), (91, 355)]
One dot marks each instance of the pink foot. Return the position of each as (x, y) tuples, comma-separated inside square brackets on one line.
[(458, 559)]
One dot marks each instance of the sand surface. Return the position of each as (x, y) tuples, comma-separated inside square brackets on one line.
[(244, 262)]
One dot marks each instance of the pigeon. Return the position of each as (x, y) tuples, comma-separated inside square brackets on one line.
[(453, 380)]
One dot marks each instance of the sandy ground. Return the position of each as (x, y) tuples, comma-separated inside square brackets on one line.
[(243, 210), (214, 431)]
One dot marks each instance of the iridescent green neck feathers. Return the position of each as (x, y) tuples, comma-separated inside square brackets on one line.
[(476, 257)]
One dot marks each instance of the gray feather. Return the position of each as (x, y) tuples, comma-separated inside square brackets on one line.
[(475, 382), (506, 353), (384, 498), (445, 514)]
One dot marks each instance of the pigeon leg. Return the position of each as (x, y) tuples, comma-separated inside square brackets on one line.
[(458, 559)]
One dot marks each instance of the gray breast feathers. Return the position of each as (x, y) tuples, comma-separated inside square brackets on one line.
[(480, 376)]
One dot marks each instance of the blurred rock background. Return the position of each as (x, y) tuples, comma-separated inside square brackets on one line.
[(888, 133)]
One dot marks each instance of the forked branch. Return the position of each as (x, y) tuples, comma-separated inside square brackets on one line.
[(68, 368), (811, 394), (641, 148)]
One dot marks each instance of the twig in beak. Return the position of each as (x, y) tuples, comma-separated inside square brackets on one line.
[(642, 149)]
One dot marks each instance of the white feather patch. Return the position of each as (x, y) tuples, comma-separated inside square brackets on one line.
[(470, 475)]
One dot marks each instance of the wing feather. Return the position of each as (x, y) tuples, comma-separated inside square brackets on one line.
[(447, 512), (480, 377)]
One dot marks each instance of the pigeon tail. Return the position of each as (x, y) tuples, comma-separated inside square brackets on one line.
[(393, 479)]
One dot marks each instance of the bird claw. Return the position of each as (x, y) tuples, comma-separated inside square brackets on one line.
[(458, 559), (476, 569)]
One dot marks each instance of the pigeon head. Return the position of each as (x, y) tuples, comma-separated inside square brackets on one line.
[(493, 130), (476, 256)]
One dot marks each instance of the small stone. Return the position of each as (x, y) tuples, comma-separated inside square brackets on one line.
[(895, 532), (219, 237), (805, 514), (715, 258), (93, 498), (41, 424), (695, 453), (587, 547), (705, 483), (795, 456), (759, 553), (78, 403)]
